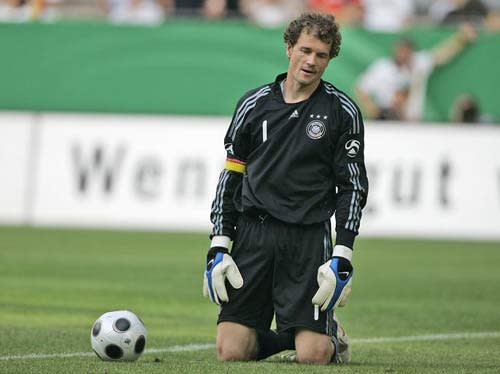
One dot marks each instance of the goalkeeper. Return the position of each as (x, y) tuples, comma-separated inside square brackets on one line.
[(295, 156)]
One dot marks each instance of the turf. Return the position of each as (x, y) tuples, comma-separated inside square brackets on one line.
[(55, 283)]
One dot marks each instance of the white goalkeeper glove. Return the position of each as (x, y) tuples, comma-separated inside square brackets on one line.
[(334, 280), (220, 265)]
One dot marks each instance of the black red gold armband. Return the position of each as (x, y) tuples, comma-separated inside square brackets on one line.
[(234, 164)]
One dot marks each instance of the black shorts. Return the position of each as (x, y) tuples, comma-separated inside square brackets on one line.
[(279, 264)]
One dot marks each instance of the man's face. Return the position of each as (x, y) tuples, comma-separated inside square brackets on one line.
[(403, 53), (309, 58)]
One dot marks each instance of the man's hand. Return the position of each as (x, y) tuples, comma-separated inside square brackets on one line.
[(334, 280), (467, 33), (220, 266)]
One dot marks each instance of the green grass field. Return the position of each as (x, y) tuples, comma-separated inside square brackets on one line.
[(408, 300)]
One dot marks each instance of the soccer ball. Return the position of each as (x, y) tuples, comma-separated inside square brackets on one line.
[(118, 336)]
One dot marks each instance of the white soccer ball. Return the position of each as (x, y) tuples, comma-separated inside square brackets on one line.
[(118, 336)]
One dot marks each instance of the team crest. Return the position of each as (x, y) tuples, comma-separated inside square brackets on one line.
[(315, 129)]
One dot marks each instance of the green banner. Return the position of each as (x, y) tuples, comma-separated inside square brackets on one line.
[(200, 67)]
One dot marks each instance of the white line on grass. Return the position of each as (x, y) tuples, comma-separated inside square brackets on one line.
[(200, 347), (173, 349), (425, 338)]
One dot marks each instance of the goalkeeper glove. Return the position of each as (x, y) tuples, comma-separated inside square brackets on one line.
[(220, 266), (334, 280)]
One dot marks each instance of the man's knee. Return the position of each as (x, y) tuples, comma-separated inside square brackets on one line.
[(320, 355), (228, 352), (236, 342), (313, 348)]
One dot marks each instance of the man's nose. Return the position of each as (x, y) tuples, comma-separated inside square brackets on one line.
[(311, 60)]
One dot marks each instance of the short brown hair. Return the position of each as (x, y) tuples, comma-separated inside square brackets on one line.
[(322, 26)]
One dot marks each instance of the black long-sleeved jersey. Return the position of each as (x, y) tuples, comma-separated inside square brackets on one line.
[(299, 162)]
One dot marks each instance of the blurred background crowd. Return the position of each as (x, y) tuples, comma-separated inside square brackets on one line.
[(391, 88), (377, 15)]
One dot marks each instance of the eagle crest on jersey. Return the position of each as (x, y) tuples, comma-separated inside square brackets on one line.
[(315, 129)]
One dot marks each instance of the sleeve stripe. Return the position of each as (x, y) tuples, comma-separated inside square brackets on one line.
[(249, 100), (235, 165), (354, 200), (219, 199), (348, 106), (357, 214), (349, 220), (354, 217), (355, 115), (248, 104), (219, 225)]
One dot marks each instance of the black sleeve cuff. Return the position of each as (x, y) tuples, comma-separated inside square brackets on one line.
[(346, 238), (225, 232)]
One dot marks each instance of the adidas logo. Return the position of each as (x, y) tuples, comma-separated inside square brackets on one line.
[(295, 114)]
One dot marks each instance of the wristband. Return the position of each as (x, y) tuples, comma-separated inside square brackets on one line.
[(220, 241), (342, 251)]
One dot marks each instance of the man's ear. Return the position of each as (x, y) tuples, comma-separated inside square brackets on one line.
[(288, 50)]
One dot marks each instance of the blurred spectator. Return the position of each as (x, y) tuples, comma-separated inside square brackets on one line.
[(347, 12), (388, 15), (144, 12), (26, 10), (379, 87), (211, 9), (271, 13), (215, 8), (15, 10), (465, 110), (479, 12), (395, 111), (456, 11), (439, 9)]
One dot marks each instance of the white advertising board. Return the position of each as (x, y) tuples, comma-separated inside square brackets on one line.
[(14, 158), (433, 181), (128, 171), (161, 172)]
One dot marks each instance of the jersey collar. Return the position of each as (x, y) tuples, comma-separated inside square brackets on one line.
[(278, 93)]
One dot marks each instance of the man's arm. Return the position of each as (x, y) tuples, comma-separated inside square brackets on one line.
[(224, 214), (371, 109), (335, 276), (350, 171), (367, 85), (451, 47)]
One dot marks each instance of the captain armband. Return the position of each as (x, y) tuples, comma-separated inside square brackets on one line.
[(235, 165)]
